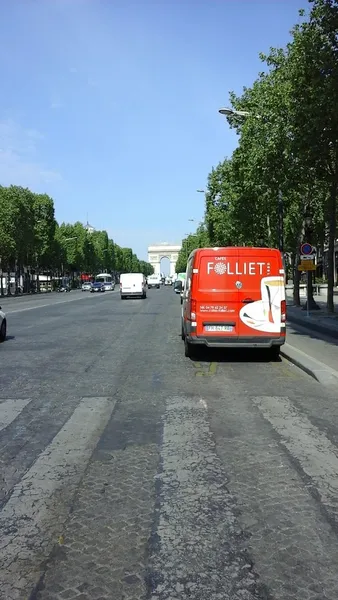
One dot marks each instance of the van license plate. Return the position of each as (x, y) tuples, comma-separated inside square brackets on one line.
[(219, 328)]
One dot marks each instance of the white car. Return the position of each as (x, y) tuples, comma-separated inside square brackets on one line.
[(109, 286), (3, 326), (86, 287)]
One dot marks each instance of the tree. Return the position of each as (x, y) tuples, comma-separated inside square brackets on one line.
[(313, 63), (44, 228), (196, 240), (31, 238), (146, 268)]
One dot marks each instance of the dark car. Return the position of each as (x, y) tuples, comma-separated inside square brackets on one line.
[(97, 287), (178, 286)]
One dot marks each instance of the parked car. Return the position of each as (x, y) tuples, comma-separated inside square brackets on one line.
[(234, 298), (97, 287), (86, 286), (3, 326), (64, 288)]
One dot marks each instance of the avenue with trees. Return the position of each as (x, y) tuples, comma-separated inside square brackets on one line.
[(279, 188), (32, 242)]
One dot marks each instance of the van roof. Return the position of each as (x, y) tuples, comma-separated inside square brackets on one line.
[(238, 248)]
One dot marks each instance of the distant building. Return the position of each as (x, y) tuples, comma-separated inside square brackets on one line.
[(89, 228)]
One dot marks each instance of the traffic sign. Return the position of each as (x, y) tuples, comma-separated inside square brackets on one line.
[(306, 248), (307, 257), (307, 265)]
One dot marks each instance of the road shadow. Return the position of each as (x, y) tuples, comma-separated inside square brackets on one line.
[(9, 338), (305, 331), (234, 355)]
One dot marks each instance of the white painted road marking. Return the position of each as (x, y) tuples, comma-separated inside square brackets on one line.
[(11, 312), (10, 409), (317, 456), (35, 513), (197, 532)]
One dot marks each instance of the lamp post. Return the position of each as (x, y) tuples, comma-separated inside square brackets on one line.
[(311, 304), (231, 112)]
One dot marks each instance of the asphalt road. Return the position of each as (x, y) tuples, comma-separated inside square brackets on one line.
[(129, 472)]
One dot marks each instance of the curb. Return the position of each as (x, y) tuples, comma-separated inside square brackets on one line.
[(316, 369), (312, 325)]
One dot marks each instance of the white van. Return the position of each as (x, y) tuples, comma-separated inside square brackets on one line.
[(132, 284), (154, 281)]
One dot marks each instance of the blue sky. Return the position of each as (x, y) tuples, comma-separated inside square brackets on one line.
[(110, 106)]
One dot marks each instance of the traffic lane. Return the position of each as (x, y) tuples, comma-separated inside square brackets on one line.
[(54, 343), (210, 470), (57, 355)]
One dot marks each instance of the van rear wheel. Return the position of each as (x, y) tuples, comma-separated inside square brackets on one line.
[(189, 349), (274, 353), (182, 332)]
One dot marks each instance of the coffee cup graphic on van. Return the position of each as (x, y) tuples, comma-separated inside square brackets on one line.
[(271, 298)]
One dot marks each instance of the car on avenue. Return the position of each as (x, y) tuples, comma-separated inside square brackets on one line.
[(86, 286), (97, 287)]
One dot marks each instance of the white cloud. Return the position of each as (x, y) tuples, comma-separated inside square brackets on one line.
[(19, 163)]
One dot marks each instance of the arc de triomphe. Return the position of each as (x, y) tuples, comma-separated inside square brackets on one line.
[(164, 250)]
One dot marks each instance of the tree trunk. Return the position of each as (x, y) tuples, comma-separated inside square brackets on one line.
[(332, 209)]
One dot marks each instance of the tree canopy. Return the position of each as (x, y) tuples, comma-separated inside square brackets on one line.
[(31, 237), (287, 149)]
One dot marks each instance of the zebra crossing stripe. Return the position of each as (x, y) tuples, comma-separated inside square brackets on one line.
[(316, 454), (33, 518), (10, 409)]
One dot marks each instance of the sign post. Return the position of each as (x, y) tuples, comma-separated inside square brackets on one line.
[(307, 264)]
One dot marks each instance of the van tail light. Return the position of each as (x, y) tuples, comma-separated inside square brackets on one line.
[(283, 311), (193, 310)]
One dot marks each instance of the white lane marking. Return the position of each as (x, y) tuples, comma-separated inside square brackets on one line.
[(34, 515), (10, 409), (197, 552), (11, 312), (318, 457)]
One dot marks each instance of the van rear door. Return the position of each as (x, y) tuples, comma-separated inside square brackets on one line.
[(261, 292), (215, 295)]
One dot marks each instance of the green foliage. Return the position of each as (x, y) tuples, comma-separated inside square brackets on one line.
[(31, 237), (199, 239), (288, 144)]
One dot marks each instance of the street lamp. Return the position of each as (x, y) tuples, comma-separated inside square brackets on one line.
[(231, 112)]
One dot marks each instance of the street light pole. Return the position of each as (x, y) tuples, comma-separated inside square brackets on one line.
[(311, 304)]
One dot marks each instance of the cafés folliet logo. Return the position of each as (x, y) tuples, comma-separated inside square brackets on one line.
[(227, 267)]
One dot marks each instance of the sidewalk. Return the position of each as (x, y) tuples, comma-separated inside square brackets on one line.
[(312, 341)]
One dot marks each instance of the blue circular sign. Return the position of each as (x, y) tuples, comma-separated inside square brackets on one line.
[(306, 249)]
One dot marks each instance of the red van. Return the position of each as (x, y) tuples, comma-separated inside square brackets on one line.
[(234, 298)]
